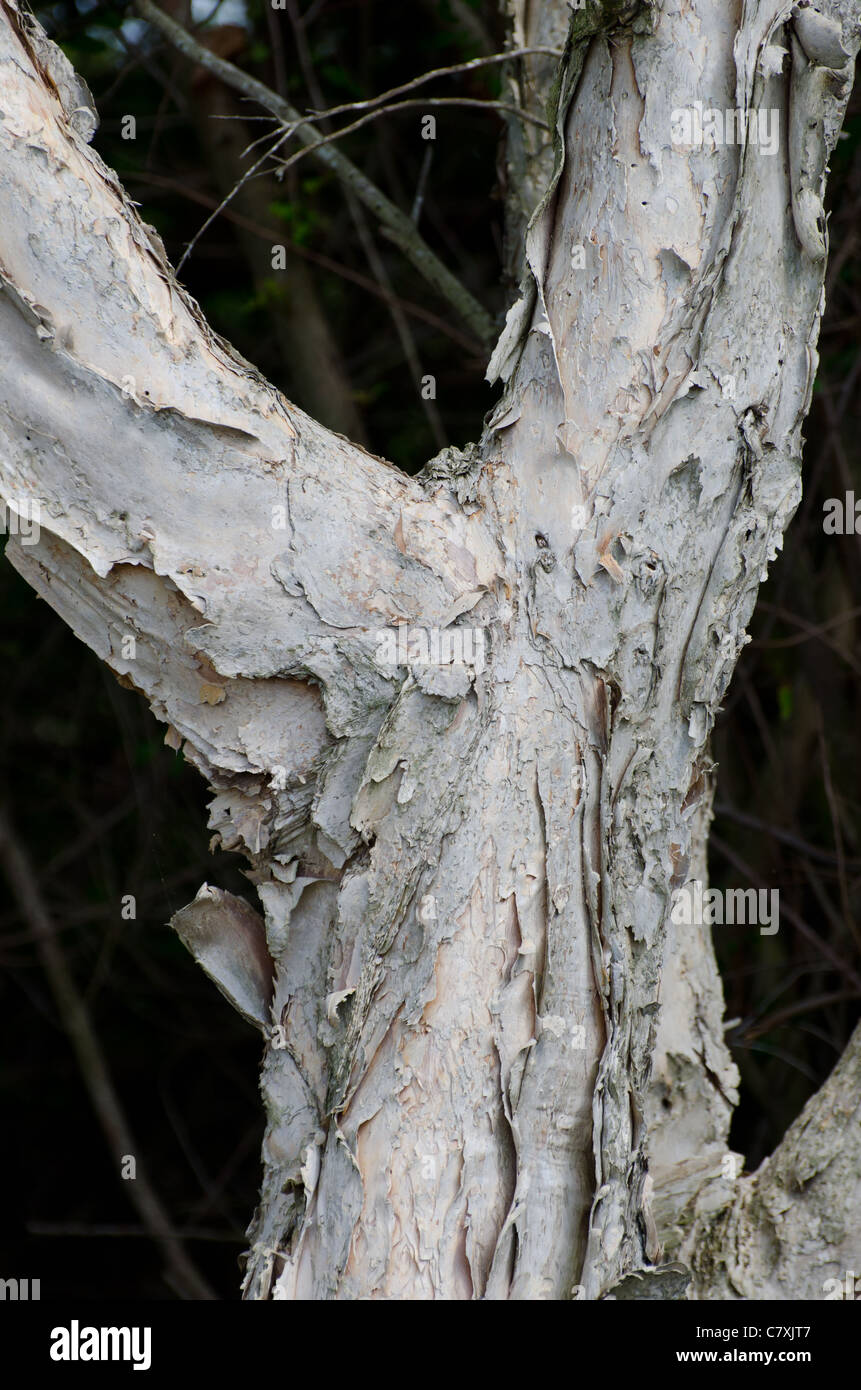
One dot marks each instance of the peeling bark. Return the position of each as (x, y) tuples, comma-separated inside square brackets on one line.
[(479, 1003), (791, 1230)]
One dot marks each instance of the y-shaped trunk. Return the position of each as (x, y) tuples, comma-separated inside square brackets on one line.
[(465, 864)]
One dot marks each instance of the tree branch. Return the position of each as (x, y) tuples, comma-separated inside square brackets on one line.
[(251, 642), (417, 103), (270, 234), (754, 1238), (455, 68), (91, 1062), (398, 225)]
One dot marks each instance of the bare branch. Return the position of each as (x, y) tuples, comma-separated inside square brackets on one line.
[(229, 197), (269, 234), (79, 1029), (757, 1244), (420, 102), (431, 76), (397, 223)]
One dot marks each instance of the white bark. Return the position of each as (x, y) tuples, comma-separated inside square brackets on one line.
[(465, 874)]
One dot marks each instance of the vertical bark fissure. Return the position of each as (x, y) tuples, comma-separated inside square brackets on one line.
[(706, 345)]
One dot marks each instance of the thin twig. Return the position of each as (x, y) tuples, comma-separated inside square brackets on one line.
[(418, 200), (277, 51), (809, 630), (83, 1229), (722, 808), (421, 103), (268, 234), (360, 222), (399, 319), (834, 812), (839, 963), (782, 1056), (803, 1006), (94, 1071), (229, 196), (303, 52), (400, 228), (410, 86)]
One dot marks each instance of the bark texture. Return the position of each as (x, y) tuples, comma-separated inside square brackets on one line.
[(792, 1230), (465, 870)]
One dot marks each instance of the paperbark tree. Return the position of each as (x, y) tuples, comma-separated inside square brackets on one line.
[(494, 1066)]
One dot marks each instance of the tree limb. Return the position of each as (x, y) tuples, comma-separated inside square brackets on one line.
[(791, 1229), (246, 639), (95, 1075), (398, 225)]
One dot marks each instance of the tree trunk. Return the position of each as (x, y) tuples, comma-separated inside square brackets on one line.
[(494, 1066)]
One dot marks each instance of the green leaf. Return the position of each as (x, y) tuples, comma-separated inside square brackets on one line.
[(785, 702)]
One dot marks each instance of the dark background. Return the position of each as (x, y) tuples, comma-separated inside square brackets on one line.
[(102, 808)]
